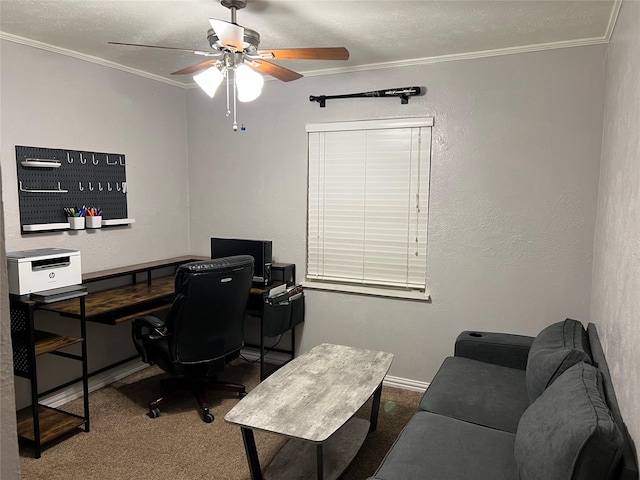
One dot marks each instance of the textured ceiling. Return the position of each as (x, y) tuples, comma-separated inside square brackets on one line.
[(377, 33)]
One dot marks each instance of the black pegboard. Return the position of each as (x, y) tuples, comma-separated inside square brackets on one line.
[(93, 179)]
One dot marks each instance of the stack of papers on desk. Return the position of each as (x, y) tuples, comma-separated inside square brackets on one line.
[(283, 294)]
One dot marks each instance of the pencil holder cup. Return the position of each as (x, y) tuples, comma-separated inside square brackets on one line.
[(94, 222), (76, 223)]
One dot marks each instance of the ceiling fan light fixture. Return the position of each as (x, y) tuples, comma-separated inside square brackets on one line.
[(248, 82), (209, 80)]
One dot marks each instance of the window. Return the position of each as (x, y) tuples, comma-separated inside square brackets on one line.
[(368, 198)]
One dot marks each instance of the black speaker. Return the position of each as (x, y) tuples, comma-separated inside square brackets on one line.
[(284, 272), (266, 279)]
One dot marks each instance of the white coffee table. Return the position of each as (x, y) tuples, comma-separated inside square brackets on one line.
[(312, 400)]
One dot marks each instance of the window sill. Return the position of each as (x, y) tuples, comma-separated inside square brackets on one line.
[(372, 291)]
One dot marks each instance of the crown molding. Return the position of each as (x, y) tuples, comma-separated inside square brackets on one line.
[(335, 71), (615, 11), (88, 58), (461, 56)]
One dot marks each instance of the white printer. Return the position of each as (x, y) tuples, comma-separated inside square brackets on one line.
[(42, 269)]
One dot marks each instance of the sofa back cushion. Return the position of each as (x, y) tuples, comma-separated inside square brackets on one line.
[(569, 432), (556, 348)]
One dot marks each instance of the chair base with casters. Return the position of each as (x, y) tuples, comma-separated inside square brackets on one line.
[(171, 386)]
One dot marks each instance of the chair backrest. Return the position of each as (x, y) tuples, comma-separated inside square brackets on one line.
[(207, 316)]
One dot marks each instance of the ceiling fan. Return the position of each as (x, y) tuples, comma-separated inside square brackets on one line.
[(235, 51), (230, 38)]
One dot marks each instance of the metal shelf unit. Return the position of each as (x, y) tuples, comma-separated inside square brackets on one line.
[(39, 424)]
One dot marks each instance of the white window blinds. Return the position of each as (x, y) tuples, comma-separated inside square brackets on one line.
[(368, 202)]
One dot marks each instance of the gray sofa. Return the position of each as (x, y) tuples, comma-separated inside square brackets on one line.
[(517, 408)]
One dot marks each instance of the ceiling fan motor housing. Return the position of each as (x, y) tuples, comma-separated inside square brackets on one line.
[(238, 4)]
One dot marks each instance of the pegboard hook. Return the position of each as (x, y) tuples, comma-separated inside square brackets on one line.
[(111, 163), (24, 189), (90, 187), (94, 160), (80, 187), (69, 158), (109, 187), (100, 186)]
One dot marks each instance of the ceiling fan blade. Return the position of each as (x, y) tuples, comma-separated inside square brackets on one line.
[(229, 34), (195, 68), (197, 52), (326, 53), (274, 70)]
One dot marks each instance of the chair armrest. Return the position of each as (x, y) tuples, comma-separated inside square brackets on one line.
[(498, 348), (149, 321), (145, 330)]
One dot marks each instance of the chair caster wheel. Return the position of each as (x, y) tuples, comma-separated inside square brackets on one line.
[(154, 413), (242, 394), (208, 418)]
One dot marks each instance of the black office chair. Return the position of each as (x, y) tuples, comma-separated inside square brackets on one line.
[(202, 331)]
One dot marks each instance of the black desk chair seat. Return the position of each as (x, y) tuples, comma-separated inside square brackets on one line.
[(202, 330)]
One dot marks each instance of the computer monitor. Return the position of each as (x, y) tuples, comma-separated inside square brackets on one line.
[(260, 250)]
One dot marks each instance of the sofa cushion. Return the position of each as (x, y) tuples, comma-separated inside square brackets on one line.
[(568, 432), (556, 348), (478, 392), (438, 447)]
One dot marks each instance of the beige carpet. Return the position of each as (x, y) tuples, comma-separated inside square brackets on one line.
[(124, 443)]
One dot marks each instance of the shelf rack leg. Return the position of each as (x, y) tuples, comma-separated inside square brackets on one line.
[(262, 377), (35, 413), (85, 371)]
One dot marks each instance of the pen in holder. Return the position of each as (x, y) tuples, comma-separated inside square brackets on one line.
[(75, 218), (94, 217)]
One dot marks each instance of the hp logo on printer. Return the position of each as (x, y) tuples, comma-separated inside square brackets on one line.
[(52, 274)]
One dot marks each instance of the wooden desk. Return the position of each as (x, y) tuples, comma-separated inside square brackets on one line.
[(121, 304), (114, 306), (147, 267)]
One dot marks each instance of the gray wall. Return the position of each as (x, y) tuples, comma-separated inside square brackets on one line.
[(513, 200), (615, 304), (513, 194), (73, 104)]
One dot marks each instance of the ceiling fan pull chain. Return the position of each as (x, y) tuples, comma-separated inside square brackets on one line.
[(228, 110), (235, 105)]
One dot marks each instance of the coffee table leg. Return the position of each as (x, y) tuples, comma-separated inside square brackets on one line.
[(252, 454), (319, 462), (375, 407)]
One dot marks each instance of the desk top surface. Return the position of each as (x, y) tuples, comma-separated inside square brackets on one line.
[(143, 267), (312, 396), (114, 305)]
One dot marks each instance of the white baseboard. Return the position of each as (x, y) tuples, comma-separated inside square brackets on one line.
[(405, 383), (102, 380)]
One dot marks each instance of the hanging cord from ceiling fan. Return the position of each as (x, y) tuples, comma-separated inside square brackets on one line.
[(235, 105)]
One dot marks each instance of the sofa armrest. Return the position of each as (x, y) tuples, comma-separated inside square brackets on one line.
[(498, 348)]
